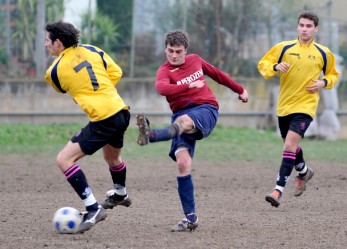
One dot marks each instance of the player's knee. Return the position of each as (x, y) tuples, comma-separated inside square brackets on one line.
[(63, 162), (60, 161), (185, 123), (288, 146), (184, 165)]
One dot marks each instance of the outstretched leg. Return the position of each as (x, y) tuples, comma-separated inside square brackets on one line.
[(147, 135)]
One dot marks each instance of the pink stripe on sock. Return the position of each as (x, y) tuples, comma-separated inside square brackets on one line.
[(298, 149), (71, 171), (289, 155), (118, 168), (71, 168)]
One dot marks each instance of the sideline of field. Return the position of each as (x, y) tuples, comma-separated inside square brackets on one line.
[(222, 145)]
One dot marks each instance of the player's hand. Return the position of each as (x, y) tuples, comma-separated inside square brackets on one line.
[(318, 84), (282, 67), (244, 96), (197, 84)]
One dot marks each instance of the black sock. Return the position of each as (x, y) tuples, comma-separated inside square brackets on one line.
[(118, 174), (286, 168), (299, 159), (93, 207), (78, 181)]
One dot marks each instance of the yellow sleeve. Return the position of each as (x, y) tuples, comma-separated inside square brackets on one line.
[(49, 79), (331, 74), (269, 60), (114, 71)]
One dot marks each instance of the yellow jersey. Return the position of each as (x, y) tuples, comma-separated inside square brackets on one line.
[(89, 75), (307, 62)]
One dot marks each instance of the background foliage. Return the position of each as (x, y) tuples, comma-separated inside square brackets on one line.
[(230, 34)]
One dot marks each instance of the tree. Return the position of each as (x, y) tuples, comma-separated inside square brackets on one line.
[(28, 36), (120, 12), (101, 31), (40, 55)]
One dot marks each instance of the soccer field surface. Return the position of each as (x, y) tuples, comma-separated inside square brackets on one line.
[(229, 198)]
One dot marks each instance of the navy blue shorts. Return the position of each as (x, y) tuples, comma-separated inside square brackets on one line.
[(297, 122), (108, 131), (205, 118)]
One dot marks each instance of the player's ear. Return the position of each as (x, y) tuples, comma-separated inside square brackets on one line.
[(59, 43)]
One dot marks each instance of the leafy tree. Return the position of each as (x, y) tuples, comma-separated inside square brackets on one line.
[(219, 30), (102, 32), (120, 12), (24, 32)]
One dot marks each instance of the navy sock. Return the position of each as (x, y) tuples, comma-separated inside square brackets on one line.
[(93, 207), (299, 159), (186, 194), (118, 174), (165, 134), (286, 168), (78, 181)]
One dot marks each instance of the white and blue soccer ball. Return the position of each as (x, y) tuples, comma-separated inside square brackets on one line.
[(67, 220)]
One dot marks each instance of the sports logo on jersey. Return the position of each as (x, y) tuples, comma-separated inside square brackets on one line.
[(295, 54), (191, 78), (174, 70)]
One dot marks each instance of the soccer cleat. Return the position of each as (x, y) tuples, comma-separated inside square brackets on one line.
[(300, 182), (112, 200), (185, 225), (143, 124), (274, 198), (91, 218)]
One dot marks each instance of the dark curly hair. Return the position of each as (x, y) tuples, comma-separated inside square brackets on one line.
[(65, 32), (176, 38), (310, 16)]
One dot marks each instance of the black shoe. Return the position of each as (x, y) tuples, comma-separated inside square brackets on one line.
[(112, 200)]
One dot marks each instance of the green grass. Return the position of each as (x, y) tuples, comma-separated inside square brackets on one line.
[(224, 144)]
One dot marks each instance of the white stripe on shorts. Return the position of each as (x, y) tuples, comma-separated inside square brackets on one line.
[(181, 148)]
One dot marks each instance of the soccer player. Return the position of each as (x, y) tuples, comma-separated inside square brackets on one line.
[(300, 63), (89, 75), (181, 79)]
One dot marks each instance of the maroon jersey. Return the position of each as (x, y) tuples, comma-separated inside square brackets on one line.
[(173, 83)]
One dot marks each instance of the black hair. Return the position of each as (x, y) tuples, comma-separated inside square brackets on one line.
[(65, 32)]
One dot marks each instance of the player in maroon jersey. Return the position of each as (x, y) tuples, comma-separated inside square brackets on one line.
[(181, 79)]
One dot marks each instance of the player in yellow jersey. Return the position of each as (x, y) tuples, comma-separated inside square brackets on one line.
[(89, 75), (300, 63)]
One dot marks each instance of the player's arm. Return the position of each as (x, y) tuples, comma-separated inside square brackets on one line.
[(331, 74), (56, 86), (224, 79), (268, 66), (113, 70), (164, 86), (221, 77)]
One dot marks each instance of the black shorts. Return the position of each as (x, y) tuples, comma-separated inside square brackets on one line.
[(108, 131), (296, 122)]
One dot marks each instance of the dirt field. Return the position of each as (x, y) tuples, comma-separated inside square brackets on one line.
[(229, 197)]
